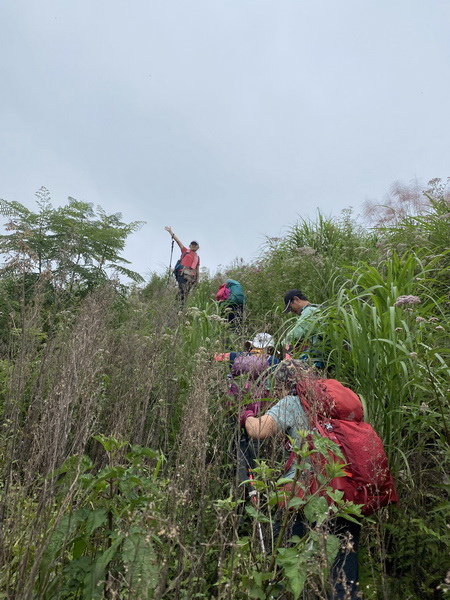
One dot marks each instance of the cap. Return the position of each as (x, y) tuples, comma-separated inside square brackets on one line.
[(262, 340), (194, 243), (289, 296)]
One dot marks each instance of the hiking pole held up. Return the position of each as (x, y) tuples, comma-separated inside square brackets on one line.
[(170, 261)]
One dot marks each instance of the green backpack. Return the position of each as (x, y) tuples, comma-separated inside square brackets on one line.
[(237, 295)]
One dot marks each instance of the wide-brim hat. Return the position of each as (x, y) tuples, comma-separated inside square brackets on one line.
[(262, 340)]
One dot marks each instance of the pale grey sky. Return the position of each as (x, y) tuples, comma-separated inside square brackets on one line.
[(224, 119)]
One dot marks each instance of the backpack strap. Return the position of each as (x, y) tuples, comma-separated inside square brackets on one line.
[(179, 266), (290, 461)]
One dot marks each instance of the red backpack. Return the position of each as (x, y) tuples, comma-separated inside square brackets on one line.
[(223, 293), (336, 412)]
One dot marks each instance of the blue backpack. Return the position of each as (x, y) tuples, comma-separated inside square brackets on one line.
[(237, 295)]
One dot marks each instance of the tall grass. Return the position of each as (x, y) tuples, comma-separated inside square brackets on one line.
[(117, 443)]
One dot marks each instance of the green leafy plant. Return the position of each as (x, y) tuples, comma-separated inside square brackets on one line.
[(105, 541)]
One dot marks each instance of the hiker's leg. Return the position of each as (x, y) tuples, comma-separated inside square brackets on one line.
[(232, 316), (182, 288), (238, 311), (298, 527), (345, 572), (247, 451)]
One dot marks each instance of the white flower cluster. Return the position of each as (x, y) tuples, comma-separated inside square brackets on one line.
[(306, 251), (406, 300)]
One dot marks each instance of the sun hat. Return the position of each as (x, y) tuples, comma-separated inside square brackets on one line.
[(262, 340)]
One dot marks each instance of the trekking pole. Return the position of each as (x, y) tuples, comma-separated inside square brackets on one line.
[(253, 495), (246, 453), (170, 261)]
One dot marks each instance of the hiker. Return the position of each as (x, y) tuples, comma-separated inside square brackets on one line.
[(231, 298), (248, 389), (262, 344), (187, 269), (247, 367), (288, 416), (303, 340)]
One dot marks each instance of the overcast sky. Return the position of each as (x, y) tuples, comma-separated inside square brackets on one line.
[(225, 119)]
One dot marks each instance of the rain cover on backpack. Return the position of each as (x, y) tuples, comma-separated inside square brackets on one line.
[(336, 412)]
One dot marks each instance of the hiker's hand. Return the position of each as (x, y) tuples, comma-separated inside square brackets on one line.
[(169, 229), (244, 415), (249, 410), (255, 407), (286, 351)]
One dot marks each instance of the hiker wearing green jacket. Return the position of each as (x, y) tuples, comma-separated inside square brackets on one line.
[(232, 300), (303, 339)]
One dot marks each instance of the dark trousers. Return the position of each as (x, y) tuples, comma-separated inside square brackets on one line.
[(234, 314), (344, 572), (184, 287)]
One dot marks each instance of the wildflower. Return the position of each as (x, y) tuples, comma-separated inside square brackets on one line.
[(424, 407), (439, 328), (398, 329), (216, 318), (402, 300), (419, 319), (306, 251), (433, 319), (413, 354)]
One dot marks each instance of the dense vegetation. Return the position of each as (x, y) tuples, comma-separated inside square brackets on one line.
[(118, 476)]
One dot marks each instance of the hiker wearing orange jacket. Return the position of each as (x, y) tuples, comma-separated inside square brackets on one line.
[(187, 269)]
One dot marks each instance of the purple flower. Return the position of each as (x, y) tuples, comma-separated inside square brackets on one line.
[(419, 319), (404, 300)]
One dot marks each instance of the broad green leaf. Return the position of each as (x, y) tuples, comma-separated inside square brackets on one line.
[(142, 565), (94, 580), (316, 509), (256, 514), (95, 519)]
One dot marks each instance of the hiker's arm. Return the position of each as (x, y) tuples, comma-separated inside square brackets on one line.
[(295, 334), (259, 428), (174, 237)]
